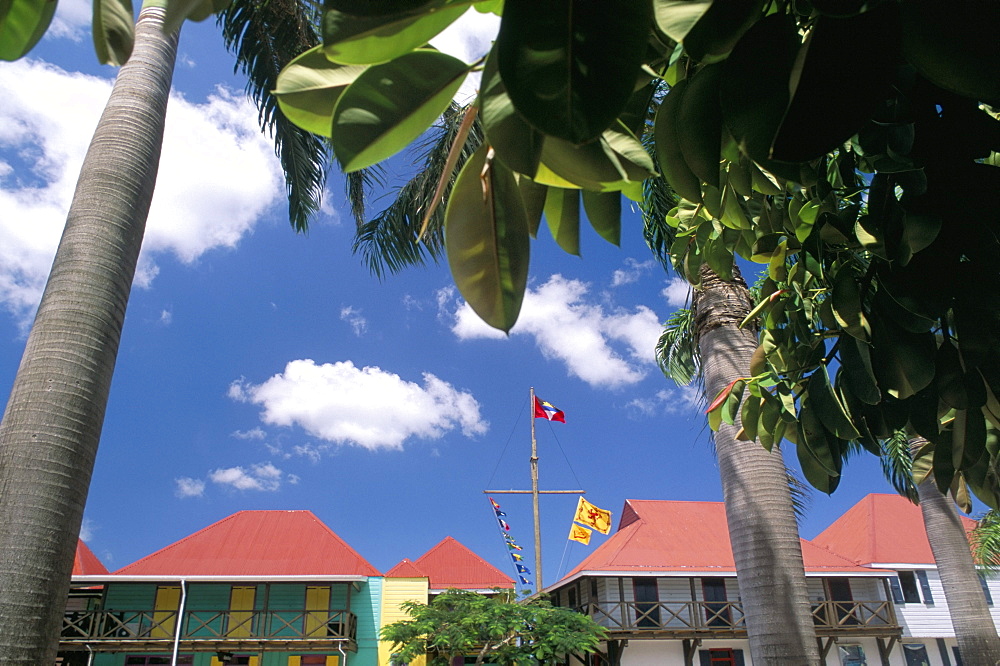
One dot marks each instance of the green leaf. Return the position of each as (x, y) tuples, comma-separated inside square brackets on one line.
[(113, 30), (844, 70), (856, 363), (533, 195), (615, 158), (517, 144), (820, 463), (754, 89), (177, 11), (562, 214), (968, 438), (847, 304), (954, 45), (903, 361), (731, 408), (666, 132), (677, 17), (827, 405), (390, 105), (571, 69), (604, 210), (750, 416), (308, 89), (700, 116), (717, 32), (486, 238), (367, 40), (22, 24)]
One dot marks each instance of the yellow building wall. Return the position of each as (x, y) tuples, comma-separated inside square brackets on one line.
[(394, 592)]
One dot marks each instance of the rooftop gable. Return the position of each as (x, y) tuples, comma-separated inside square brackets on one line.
[(678, 536), (881, 528), (85, 563), (257, 543), (405, 569), (449, 564)]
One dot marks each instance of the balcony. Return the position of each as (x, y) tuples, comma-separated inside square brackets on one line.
[(725, 619), (208, 630)]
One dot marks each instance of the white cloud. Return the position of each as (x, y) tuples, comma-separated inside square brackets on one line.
[(682, 400), (468, 38), (632, 272), (677, 292), (354, 317), (87, 529), (263, 476), (603, 347), (367, 407), (71, 21), (166, 317), (253, 433), (188, 487), (217, 176)]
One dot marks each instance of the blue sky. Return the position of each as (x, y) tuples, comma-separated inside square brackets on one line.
[(261, 369)]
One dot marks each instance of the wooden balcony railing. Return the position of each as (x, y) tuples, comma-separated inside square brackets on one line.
[(113, 627), (725, 618)]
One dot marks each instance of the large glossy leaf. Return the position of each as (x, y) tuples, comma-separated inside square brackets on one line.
[(954, 44), (351, 39), (22, 24), (308, 89), (720, 28), (606, 164), (968, 438), (570, 66), (666, 133), (391, 104), (828, 408), (676, 17), (516, 142), (604, 210), (754, 89), (486, 238), (904, 361), (820, 462), (700, 124), (844, 71), (562, 215), (177, 11), (113, 30), (847, 307), (376, 7), (533, 195), (856, 364)]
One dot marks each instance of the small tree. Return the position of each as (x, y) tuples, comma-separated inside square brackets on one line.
[(496, 629)]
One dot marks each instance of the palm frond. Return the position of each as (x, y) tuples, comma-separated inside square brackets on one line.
[(985, 542), (657, 197), (264, 36), (802, 495), (677, 350), (897, 465), (388, 242), (357, 186)]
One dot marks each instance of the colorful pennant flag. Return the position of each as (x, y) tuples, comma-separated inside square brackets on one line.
[(579, 533), (545, 410), (504, 525), (521, 569), (591, 516), (499, 513), (518, 558), (495, 505), (524, 581), (513, 546)]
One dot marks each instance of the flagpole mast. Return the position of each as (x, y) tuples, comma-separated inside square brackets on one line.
[(534, 495)]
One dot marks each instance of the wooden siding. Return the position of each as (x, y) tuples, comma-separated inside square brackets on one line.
[(394, 592), (366, 604)]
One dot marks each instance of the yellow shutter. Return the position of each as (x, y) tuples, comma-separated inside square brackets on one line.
[(294, 661), (318, 601), (240, 623), (333, 661), (168, 600)]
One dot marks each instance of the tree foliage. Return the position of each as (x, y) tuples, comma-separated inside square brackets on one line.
[(494, 629)]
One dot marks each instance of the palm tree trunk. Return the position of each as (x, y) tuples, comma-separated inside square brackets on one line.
[(52, 425), (970, 615), (762, 527)]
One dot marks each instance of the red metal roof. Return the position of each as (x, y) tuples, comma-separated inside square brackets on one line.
[(881, 528), (257, 543), (450, 564), (673, 536), (85, 563)]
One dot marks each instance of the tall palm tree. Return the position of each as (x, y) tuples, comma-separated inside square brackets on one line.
[(975, 630), (52, 424)]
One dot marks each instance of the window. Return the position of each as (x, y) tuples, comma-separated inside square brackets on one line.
[(326, 660), (593, 590), (647, 602), (916, 654), (571, 597), (717, 611), (720, 657), (851, 655), (154, 660)]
